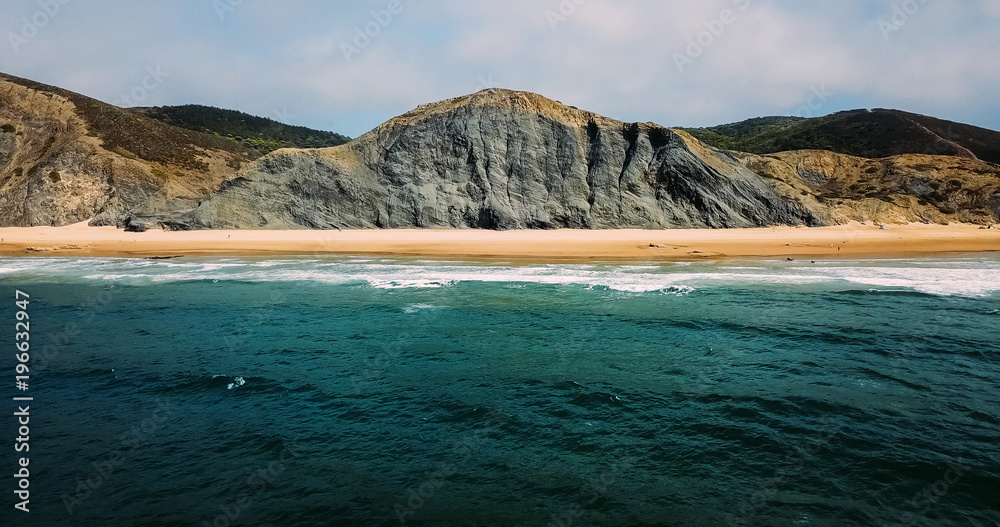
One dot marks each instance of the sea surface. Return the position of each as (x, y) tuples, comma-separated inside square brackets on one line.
[(377, 392)]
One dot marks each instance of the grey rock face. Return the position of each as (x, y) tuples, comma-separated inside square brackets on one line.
[(495, 160), (57, 168)]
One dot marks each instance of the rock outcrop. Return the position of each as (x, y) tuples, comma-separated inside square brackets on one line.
[(65, 158), (901, 189), (497, 159), (500, 159)]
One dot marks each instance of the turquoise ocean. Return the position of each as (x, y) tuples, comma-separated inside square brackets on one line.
[(379, 392)]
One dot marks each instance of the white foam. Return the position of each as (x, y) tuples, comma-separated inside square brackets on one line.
[(964, 277), (411, 284), (414, 308), (935, 281)]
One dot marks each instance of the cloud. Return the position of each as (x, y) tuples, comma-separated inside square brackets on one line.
[(750, 58)]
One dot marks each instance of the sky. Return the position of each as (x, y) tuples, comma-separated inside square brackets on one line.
[(347, 66)]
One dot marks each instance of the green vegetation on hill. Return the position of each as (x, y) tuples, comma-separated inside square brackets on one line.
[(863, 133), (767, 135), (747, 136), (130, 135), (257, 133)]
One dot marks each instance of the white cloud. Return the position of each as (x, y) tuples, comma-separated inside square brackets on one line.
[(617, 58)]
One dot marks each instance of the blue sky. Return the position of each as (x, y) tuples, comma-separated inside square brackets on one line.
[(677, 63)]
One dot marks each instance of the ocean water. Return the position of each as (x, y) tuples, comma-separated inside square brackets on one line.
[(352, 391)]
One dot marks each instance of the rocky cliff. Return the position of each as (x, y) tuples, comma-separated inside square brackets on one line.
[(497, 159), (500, 159), (906, 188), (66, 158)]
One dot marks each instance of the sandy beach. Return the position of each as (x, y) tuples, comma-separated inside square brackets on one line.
[(847, 241)]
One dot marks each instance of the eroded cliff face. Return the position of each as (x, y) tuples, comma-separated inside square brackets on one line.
[(56, 168), (48, 175), (497, 160), (899, 189)]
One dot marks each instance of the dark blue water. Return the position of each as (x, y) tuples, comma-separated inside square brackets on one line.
[(356, 392)]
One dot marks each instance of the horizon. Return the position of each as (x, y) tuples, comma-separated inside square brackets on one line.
[(676, 63)]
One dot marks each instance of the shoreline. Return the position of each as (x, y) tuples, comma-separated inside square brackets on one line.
[(844, 241)]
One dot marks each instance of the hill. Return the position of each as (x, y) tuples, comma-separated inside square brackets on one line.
[(66, 158), (257, 133), (497, 159), (501, 159), (870, 134)]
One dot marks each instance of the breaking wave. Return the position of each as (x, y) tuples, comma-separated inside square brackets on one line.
[(979, 276)]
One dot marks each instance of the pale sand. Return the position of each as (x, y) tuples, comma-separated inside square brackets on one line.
[(848, 241)]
